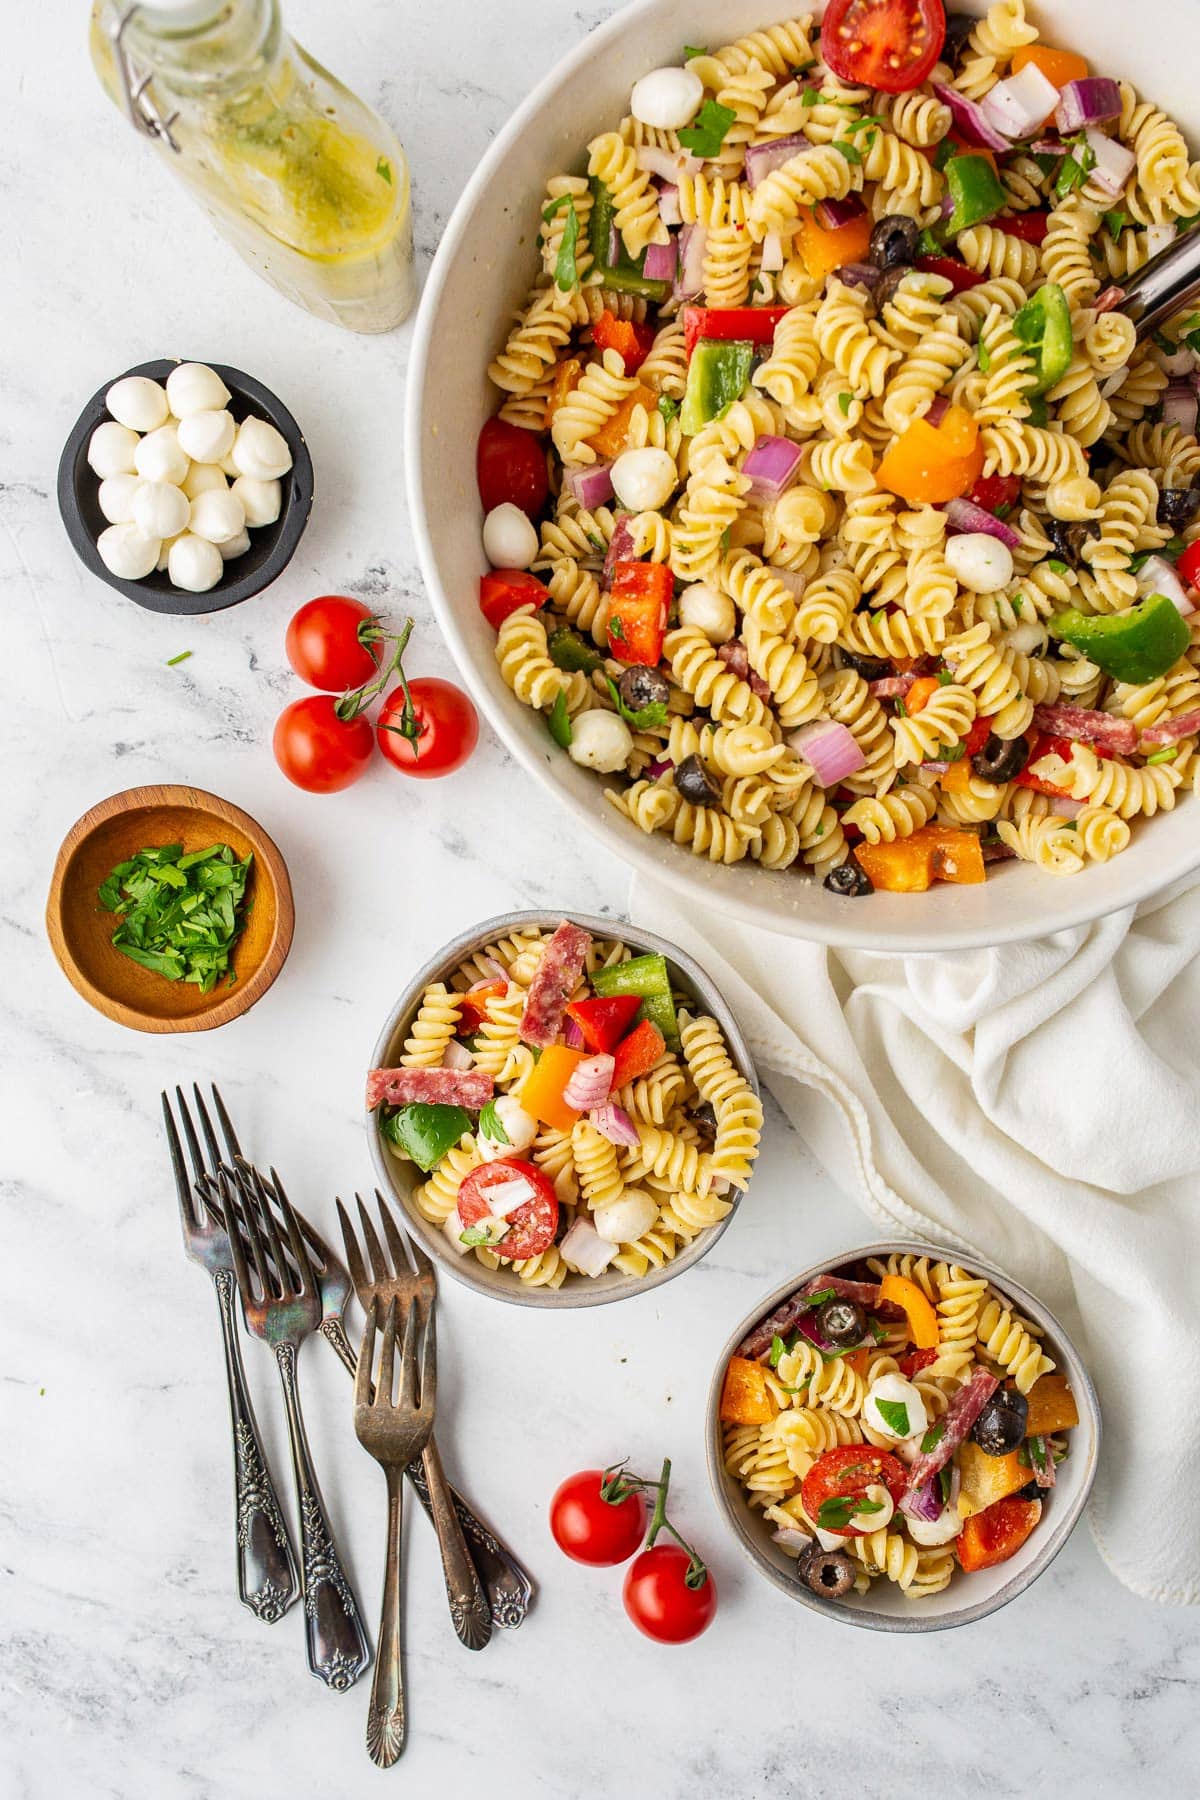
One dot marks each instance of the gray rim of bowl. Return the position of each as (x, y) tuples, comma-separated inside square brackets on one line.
[(577, 1290), (1061, 1527)]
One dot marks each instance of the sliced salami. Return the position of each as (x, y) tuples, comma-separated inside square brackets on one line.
[(787, 1316), (1118, 735), (621, 548), (953, 1427), (1170, 731), (891, 687), (1041, 1461), (429, 1087), (557, 977)]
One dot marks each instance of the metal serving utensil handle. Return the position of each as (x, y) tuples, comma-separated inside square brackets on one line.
[(266, 1563), (387, 1722), (508, 1587), (1169, 282), (336, 1643)]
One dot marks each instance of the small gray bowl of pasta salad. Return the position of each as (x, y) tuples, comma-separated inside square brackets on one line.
[(900, 1441), (565, 1108)]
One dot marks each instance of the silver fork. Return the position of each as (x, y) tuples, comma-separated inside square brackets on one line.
[(393, 1431), (266, 1563), (410, 1281), (283, 1309)]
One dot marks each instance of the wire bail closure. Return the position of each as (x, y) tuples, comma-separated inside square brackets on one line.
[(140, 105)]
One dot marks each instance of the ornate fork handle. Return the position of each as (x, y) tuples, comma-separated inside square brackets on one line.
[(266, 1563), (337, 1646), (507, 1585), (387, 1721)]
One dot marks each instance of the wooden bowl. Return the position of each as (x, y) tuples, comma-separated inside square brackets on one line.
[(80, 930)]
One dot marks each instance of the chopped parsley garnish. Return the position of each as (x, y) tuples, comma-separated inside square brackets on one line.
[(946, 1483), (845, 401), (1057, 565), (836, 1513), (851, 152), (820, 1299), (566, 272), (810, 97), (490, 1125), (180, 915), (778, 1349), (1162, 756), (1115, 222), (182, 657), (475, 1234), (928, 245), (690, 50), (901, 710), (894, 1414), (558, 722), (866, 119), (1076, 167), (645, 718), (933, 1437), (706, 134), (383, 169), (668, 408), (616, 629), (945, 678), (951, 753), (1037, 1452), (985, 359)]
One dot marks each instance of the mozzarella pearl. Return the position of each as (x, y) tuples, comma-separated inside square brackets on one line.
[(217, 515), (161, 457), (207, 436), (600, 740), (164, 553), (112, 449), (878, 1495), (115, 497), (194, 564), (897, 1391), (193, 388), (260, 450), (936, 1531), (627, 1219), (509, 539), (228, 467), (831, 1540), (159, 509), (667, 98), (705, 608), (521, 1130), (201, 477), (261, 500), (127, 552), (979, 562), (644, 480), (138, 402), (235, 546)]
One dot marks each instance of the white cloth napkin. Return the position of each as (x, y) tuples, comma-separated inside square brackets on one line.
[(1036, 1104)]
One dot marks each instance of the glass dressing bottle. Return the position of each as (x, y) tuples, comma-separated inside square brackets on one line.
[(304, 180)]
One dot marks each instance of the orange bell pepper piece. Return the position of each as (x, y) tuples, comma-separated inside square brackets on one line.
[(857, 1360), (934, 462), (542, 1092), (613, 435), (745, 1396), (922, 1319), (823, 250), (903, 867), (992, 1536), (566, 379), (957, 778), (1051, 1406), (921, 693), (1058, 66), (957, 855)]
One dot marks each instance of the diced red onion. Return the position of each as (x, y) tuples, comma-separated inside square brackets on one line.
[(1171, 731), (793, 581), (924, 1502), (457, 1056), (772, 258), (572, 1035), (771, 466), (947, 206), (763, 159), (1049, 146), (1159, 238), (965, 515), (584, 1249), (790, 1537), (659, 767), (860, 274), (592, 487), (1114, 163), (936, 768), (830, 749), (496, 972), (1018, 106), (863, 1293), (1180, 405), (1158, 576), (615, 1124), (807, 1323), (891, 687), (969, 119), (668, 206), (668, 165), (937, 411), (1063, 807), (833, 214), (620, 549), (735, 656), (590, 1082), (661, 260), (689, 278), (1087, 102)]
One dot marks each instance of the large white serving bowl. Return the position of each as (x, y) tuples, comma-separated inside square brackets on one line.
[(483, 268)]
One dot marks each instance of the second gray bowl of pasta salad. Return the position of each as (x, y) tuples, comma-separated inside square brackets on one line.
[(900, 1441), (570, 1088)]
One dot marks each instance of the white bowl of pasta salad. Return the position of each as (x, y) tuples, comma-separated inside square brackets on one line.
[(899, 1441), (565, 1108), (828, 623)]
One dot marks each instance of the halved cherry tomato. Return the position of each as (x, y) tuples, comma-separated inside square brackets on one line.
[(956, 273), (510, 464), (531, 1227), (753, 324), (888, 44), (994, 491), (915, 1361), (640, 598), (472, 1006), (659, 1600), (630, 340), (993, 1535), (590, 1529), (637, 1053), (316, 750), (502, 591), (325, 643), (849, 1471), (980, 732), (604, 1021), (1058, 66), (1031, 226), (447, 726)]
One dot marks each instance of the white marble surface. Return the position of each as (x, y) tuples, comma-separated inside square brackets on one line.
[(127, 1668)]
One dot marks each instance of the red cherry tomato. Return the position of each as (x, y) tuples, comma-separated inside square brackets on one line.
[(888, 44), (659, 1600), (502, 591), (531, 1227), (448, 723), (318, 751), (994, 491), (1188, 565), (590, 1529), (324, 646), (849, 1470), (510, 464)]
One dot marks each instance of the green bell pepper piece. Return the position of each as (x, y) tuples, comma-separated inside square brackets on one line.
[(1044, 326), (624, 276), (648, 978), (717, 376), (975, 189), (425, 1133), (1137, 646), (569, 651)]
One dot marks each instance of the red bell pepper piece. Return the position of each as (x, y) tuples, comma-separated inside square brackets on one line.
[(956, 273), (756, 323), (917, 1360), (502, 591), (994, 491), (637, 1053), (1031, 226), (639, 601), (631, 341), (473, 1004), (978, 735), (1045, 744), (604, 1022)]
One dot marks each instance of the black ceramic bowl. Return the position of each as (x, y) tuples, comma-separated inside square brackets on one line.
[(271, 546)]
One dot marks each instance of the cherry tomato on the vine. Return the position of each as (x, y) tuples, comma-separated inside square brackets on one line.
[(510, 464), (447, 728), (659, 1600), (590, 1529), (324, 646), (318, 751)]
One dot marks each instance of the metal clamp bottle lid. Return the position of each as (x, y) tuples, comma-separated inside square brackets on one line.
[(140, 105)]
